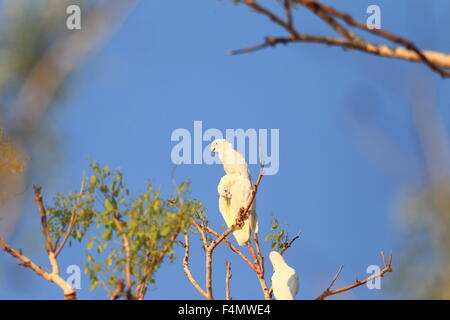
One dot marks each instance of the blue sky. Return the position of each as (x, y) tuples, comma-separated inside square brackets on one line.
[(167, 67)]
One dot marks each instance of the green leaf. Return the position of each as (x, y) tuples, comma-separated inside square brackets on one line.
[(93, 285), (107, 234), (165, 231), (108, 205), (269, 236)]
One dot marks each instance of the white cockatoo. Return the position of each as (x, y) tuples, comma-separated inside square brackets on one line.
[(285, 281), (233, 161), (234, 193)]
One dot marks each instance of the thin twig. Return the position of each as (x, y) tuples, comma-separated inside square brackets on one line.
[(227, 280), (328, 18), (199, 227), (288, 11), (233, 248), (73, 219), (290, 243), (272, 16), (259, 254), (329, 292), (187, 271), (40, 203), (260, 266)]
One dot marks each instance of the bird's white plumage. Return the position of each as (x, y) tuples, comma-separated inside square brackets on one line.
[(232, 160), (235, 189), (234, 193), (285, 282)]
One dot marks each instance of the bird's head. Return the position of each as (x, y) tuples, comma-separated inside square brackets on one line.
[(276, 258), (218, 145)]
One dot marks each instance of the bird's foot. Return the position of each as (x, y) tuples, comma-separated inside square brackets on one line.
[(226, 194)]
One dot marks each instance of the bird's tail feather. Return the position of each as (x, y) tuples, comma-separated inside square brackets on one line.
[(242, 235), (253, 221)]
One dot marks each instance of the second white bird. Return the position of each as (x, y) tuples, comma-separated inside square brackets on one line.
[(285, 281)]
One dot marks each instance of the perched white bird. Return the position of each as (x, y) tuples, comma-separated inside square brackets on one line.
[(234, 194), (285, 281), (233, 161)]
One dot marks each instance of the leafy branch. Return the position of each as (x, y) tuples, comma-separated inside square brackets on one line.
[(132, 236)]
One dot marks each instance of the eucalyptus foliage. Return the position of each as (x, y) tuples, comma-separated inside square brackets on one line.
[(106, 213)]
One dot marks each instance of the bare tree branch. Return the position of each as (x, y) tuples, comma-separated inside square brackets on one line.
[(69, 292), (329, 292), (187, 271), (258, 251), (43, 213), (126, 245), (209, 249), (382, 33), (437, 61), (232, 247), (200, 228)]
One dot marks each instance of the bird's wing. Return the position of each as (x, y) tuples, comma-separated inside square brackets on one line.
[(240, 192), (243, 188), (224, 208), (234, 162), (225, 183), (293, 283), (224, 190), (280, 287), (253, 217)]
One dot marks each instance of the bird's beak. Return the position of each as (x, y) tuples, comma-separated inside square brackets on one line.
[(213, 149)]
